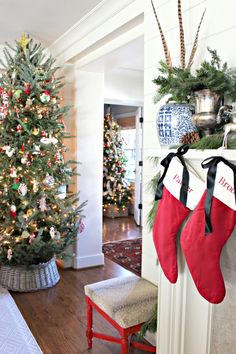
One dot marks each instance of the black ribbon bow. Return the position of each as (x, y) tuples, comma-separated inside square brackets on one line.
[(212, 163), (185, 176)]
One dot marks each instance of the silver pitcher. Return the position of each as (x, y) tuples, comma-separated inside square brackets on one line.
[(207, 106)]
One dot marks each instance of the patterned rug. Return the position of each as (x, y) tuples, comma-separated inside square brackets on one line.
[(127, 253), (15, 335)]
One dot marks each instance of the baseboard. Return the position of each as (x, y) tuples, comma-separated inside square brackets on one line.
[(88, 261)]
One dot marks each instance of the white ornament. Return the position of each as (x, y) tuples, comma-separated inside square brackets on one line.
[(35, 186), (62, 192), (49, 180), (42, 204), (23, 160), (52, 232), (9, 151), (36, 150), (13, 208), (45, 141), (22, 189), (13, 172)]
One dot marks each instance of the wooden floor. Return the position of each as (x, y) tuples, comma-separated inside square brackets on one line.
[(57, 317), (120, 229)]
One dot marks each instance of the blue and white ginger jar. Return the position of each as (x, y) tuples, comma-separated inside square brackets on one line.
[(174, 120)]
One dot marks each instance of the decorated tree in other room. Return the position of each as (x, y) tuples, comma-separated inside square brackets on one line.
[(38, 219), (116, 190)]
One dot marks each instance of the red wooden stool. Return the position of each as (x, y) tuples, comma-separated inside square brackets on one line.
[(126, 303)]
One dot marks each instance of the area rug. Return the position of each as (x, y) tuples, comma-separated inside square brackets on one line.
[(15, 335), (127, 253)]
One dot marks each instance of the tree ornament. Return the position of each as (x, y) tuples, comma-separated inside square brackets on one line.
[(25, 234), (31, 238), (24, 160), (9, 254), (45, 97), (81, 226), (52, 232), (22, 190), (29, 212), (58, 157), (36, 150), (15, 186), (35, 131), (8, 150), (19, 128), (24, 40), (13, 211), (17, 94), (13, 172), (27, 90), (49, 180), (35, 186), (28, 103), (43, 133), (42, 204), (22, 149)]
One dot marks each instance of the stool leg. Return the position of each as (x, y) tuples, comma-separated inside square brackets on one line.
[(89, 332), (124, 343)]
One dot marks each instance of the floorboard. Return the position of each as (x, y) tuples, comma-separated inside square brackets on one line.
[(57, 317)]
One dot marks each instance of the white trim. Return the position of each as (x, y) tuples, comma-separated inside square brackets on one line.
[(135, 103), (101, 22), (88, 261), (110, 45)]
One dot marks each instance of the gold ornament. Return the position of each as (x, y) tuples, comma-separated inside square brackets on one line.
[(24, 41), (25, 234), (35, 131), (29, 212)]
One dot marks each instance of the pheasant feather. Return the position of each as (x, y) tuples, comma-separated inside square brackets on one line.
[(181, 32), (165, 47), (195, 43)]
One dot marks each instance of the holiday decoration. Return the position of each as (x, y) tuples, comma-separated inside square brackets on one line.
[(116, 191), (49, 180), (29, 174), (22, 189), (209, 228), (45, 97), (190, 138), (178, 191)]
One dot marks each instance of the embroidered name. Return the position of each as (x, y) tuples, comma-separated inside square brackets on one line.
[(226, 185), (177, 179)]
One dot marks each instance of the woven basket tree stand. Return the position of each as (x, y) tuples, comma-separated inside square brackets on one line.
[(32, 278)]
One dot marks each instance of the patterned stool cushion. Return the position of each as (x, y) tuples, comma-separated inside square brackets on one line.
[(127, 300)]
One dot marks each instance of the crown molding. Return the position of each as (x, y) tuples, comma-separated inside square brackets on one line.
[(106, 18)]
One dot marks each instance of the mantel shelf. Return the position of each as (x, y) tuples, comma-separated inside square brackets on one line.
[(194, 154)]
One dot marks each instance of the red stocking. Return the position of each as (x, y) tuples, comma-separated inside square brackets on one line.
[(170, 215), (204, 237)]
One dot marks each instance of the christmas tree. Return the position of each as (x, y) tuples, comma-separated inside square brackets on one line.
[(38, 219), (116, 190)]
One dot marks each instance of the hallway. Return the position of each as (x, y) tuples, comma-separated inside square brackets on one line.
[(120, 229)]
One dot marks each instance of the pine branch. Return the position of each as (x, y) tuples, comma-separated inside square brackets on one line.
[(195, 43), (165, 47), (181, 32)]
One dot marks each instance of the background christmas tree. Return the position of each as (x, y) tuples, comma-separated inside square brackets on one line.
[(37, 218), (116, 190)]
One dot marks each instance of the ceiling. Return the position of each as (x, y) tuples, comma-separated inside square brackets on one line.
[(44, 20)]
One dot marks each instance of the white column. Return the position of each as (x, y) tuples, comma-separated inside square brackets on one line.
[(89, 100)]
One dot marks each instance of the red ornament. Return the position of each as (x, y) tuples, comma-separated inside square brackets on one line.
[(27, 90), (13, 214), (43, 134), (22, 148), (19, 128), (47, 92)]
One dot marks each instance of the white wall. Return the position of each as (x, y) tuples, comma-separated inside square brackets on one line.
[(89, 117), (184, 318), (124, 86)]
